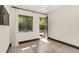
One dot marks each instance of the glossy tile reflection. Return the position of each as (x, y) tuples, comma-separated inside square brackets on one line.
[(43, 46)]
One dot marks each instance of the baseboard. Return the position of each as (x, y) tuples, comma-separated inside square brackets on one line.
[(8, 47), (68, 44), (29, 40)]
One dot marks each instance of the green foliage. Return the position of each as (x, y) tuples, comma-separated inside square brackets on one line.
[(42, 23), (25, 23), (25, 19), (22, 19)]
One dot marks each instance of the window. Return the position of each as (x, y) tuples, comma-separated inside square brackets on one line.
[(4, 16), (25, 23)]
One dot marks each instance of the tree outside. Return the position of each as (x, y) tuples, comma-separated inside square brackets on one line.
[(42, 24)]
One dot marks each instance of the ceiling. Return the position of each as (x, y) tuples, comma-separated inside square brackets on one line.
[(40, 8), (54, 7)]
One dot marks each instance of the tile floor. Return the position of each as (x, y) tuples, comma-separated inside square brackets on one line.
[(42, 46)]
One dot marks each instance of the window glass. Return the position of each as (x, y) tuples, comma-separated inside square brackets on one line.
[(4, 16), (25, 23)]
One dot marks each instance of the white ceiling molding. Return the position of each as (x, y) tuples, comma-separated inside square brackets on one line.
[(37, 8), (40, 8)]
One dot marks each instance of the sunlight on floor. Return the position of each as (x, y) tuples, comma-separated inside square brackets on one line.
[(34, 45), (44, 40), (25, 48)]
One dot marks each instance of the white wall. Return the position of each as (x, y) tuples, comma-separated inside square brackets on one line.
[(11, 24), (4, 38), (24, 36), (63, 24)]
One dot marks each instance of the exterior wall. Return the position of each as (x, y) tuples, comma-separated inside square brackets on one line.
[(63, 24)]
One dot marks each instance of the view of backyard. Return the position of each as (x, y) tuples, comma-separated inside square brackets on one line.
[(42, 26)]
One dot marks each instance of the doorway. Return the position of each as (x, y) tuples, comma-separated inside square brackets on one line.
[(43, 27)]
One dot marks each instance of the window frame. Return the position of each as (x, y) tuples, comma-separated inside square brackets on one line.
[(2, 12), (27, 25)]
